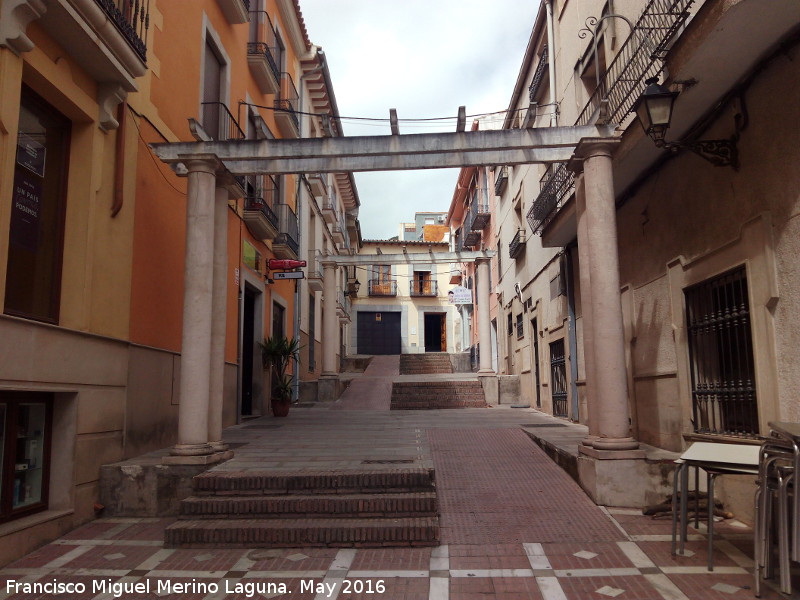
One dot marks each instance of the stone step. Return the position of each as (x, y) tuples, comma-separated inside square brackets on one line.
[(295, 506), (278, 533), (436, 405), (314, 482)]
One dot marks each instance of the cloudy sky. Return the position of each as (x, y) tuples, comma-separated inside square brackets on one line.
[(425, 58)]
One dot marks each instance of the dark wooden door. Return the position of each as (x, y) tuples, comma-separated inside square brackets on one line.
[(378, 333)]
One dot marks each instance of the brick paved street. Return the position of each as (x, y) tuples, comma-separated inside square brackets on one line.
[(514, 526)]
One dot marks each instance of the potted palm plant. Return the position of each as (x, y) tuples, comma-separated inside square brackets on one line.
[(277, 353)]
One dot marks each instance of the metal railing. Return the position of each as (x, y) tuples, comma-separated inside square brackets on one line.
[(517, 244), (638, 59), (287, 227), (219, 123), (382, 287), (538, 75), (288, 98), (314, 270), (424, 287), (558, 378), (260, 192), (132, 18), (500, 181), (266, 43), (479, 209)]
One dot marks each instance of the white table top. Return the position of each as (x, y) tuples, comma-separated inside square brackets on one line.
[(745, 455)]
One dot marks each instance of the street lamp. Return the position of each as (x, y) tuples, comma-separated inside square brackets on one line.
[(654, 111), (354, 287)]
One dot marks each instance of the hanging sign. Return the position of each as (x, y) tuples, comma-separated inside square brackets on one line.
[(459, 295), (288, 275)]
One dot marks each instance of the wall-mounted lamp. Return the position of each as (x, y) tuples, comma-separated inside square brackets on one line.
[(654, 111), (354, 287)]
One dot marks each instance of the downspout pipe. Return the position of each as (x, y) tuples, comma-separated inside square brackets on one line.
[(551, 63)]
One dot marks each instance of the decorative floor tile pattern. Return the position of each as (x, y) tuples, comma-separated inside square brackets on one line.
[(517, 528)]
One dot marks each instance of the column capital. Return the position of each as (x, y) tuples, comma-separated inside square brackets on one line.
[(203, 163), (328, 264), (590, 147), (482, 259)]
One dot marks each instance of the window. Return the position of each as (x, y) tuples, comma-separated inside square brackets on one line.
[(520, 327), (25, 423), (721, 356), (36, 232), (312, 318), (558, 378), (381, 280), (278, 320), (213, 66), (510, 324)]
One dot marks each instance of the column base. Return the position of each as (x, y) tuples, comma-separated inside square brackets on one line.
[(328, 387), (218, 446), (205, 459), (486, 373), (607, 443), (191, 449), (588, 441), (614, 478)]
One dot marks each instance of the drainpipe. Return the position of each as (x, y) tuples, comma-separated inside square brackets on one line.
[(551, 60), (297, 286)]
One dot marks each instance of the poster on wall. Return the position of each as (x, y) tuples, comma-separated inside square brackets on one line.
[(30, 154), (26, 210), (459, 295)]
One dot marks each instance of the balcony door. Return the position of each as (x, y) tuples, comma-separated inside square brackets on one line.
[(213, 66)]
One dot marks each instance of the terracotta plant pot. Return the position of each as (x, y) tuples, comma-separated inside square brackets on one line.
[(280, 408)]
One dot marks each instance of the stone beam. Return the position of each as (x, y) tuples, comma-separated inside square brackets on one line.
[(389, 153), (421, 258)]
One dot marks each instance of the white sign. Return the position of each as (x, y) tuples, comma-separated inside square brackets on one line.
[(288, 275), (460, 295)]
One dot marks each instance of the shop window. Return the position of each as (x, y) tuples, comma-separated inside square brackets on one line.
[(36, 233), (721, 356), (25, 422)]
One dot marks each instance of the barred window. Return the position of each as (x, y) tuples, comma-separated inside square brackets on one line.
[(558, 378), (520, 327), (721, 356)]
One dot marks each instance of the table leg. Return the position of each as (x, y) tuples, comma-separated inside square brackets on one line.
[(675, 510), (684, 507)]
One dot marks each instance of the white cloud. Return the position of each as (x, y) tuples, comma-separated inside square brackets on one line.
[(425, 58)]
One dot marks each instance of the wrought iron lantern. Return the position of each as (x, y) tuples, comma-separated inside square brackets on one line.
[(654, 109)]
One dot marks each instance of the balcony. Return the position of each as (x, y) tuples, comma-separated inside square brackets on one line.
[(538, 77), (427, 287), (343, 307), (285, 244), (455, 273), (218, 123), (517, 245), (236, 11), (259, 199), (314, 271), (261, 53), (638, 59), (382, 287), (339, 231), (500, 180), (319, 186), (330, 210), (472, 237), (285, 108), (479, 209)]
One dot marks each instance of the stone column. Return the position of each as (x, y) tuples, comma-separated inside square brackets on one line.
[(330, 321), (484, 322), (584, 257), (218, 320), (611, 389), (193, 443)]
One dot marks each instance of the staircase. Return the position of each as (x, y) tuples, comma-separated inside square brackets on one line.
[(425, 364), (363, 509), (419, 395)]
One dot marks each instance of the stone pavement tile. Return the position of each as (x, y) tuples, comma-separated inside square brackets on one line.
[(199, 560), (498, 486), (469, 588), (394, 559), (144, 529), (644, 525), (661, 554), (41, 557), (701, 586), (513, 588), (609, 556), (277, 559), (634, 587), (487, 550), (115, 556), (93, 530), (394, 588), (65, 580)]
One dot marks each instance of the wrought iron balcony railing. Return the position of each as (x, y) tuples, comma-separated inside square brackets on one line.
[(479, 209), (288, 98), (538, 76), (287, 227), (638, 59), (132, 18), (260, 192), (500, 180), (382, 287), (219, 123), (425, 287), (517, 244), (265, 41)]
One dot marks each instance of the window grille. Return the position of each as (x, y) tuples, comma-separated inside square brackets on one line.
[(558, 378), (520, 328), (510, 324), (721, 356)]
